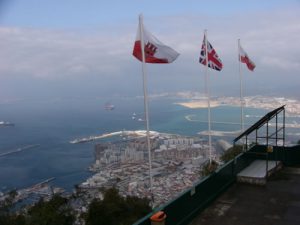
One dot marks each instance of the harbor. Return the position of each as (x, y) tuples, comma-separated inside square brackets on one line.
[(32, 194)]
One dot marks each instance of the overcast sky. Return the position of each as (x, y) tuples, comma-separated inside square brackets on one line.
[(75, 48)]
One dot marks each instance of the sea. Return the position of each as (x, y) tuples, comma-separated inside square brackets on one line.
[(49, 126)]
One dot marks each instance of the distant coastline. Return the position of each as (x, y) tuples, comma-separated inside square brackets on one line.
[(292, 106), (198, 104)]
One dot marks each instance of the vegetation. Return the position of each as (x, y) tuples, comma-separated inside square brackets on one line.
[(112, 210), (6, 217), (209, 168), (116, 210), (231, 153), (6, 204), (56, 211)]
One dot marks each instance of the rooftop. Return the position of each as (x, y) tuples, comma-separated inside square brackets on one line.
[(278, 202)]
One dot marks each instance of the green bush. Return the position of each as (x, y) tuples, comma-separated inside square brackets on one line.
[(54, 212), (116, 210), (209, 168), (231, 153)]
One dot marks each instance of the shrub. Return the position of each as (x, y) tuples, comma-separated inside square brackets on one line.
[(231, 153)]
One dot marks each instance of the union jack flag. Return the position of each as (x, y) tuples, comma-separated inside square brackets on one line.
[(214, 61)]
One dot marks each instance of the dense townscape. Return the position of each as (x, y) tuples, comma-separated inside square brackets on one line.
[(176, 163)]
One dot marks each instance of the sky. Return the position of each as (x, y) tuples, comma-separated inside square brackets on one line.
[(83, 49)]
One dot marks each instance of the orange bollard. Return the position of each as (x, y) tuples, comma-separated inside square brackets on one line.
[(158, 218)]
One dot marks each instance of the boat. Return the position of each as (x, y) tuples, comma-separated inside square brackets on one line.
[(133, 116), (6, 124), (81, 140), (109, 106)]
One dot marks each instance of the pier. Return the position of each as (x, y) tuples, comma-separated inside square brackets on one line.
[(27, 147)]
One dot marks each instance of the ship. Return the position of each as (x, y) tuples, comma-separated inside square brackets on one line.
[(109, 106), (81, 140), (6, 124), (133, 116)]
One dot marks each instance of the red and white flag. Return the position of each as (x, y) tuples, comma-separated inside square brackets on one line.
[(155, 51), (214, 61), (244, 58)]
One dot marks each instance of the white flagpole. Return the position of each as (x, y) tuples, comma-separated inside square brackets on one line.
[(146, 103), (241, 93), (241, 88), (208, 96)]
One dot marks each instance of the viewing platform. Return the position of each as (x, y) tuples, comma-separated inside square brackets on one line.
[(276, 203), (219, 199)]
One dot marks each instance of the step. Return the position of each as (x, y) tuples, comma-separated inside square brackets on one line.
[(256, 172)]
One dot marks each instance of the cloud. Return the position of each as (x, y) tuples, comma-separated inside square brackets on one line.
[(52, 53), (277, 62), (269, 37)]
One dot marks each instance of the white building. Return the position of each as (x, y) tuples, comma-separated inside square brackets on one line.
[(179, 141)]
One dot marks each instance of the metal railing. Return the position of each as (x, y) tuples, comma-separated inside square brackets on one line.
[(186, 206), (191, 202)]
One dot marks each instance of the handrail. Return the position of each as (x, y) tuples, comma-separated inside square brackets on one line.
[(259, 123)]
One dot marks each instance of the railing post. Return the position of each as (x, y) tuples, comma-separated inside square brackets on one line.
[(256, 136), (267, 158), (267, 133), (283, 133), (276, 129)]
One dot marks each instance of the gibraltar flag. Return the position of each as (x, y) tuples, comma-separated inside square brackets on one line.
[(155, 51), (244, 58)]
